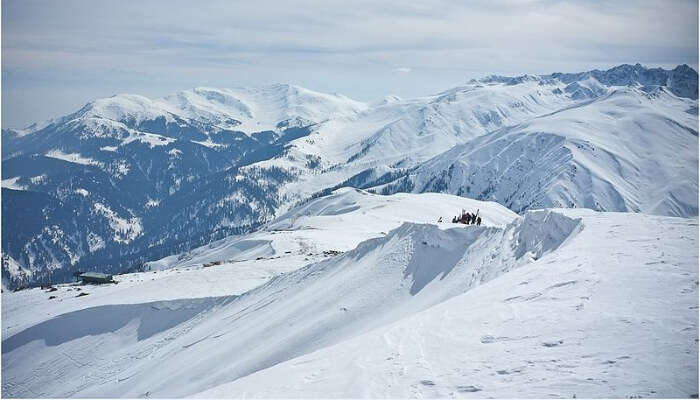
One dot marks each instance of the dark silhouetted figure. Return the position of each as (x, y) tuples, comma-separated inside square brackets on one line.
[(478, 221)]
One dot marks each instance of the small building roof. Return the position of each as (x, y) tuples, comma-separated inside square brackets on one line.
[(95, 275)]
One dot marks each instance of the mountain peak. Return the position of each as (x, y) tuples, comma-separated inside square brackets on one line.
[(681, 81)]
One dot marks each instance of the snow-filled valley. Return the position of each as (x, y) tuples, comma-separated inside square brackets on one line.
[(280, 242)]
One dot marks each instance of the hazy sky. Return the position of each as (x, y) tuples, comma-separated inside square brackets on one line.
[(58, 55)]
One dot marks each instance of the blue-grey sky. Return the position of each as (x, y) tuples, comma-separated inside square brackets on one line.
[(58, 55)]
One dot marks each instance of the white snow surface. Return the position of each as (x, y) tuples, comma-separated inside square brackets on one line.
[(613, 313), (12, 268), (361, 295), (552, 303), (605, 131), (338, 222), (125, 229), (245, 109), (631, 149), (11, 183), (624, 151), (72, 157)]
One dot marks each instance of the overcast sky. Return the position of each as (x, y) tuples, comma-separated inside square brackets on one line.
[(58, 55)]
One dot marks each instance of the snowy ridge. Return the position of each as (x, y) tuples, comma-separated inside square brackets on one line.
[(334, 223), (681, 81), (327, 302), (243, 109), (598, 155), (577, 322), (398, 135), (289, 275), (532, 286)]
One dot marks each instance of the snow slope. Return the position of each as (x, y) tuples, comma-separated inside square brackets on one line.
[(313, 232), (532, 308), (625, 151), (400, 134), (335, 223), (626, 106), (613, 313), (247, 110)]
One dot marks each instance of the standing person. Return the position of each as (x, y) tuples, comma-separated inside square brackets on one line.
[(478, 221)]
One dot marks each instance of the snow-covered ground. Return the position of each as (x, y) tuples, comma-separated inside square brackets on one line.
[(613, 313), (310, 233), (554, 303), (335, 223), (357, 294)]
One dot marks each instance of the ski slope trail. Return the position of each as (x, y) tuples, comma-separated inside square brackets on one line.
[(533, 308)]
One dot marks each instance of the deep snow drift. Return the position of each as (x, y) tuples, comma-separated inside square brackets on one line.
[(557, 302)]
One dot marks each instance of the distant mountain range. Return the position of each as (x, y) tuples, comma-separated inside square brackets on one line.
[(126, 180)]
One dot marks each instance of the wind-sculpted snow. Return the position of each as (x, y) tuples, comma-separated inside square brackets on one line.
[(383, 280), (331, 224), (579, 321), (152, 318)]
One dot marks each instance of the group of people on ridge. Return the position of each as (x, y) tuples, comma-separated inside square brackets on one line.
[(468, 218)]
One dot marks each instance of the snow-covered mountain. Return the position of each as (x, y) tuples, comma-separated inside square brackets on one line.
[(626, 150), (127, 180), (550, 303)]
